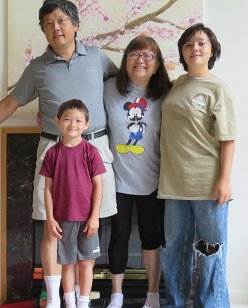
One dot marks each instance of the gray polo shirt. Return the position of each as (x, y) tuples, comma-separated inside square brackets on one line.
[(55, 80)]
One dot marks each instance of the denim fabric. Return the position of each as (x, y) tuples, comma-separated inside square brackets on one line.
[(187, 223)]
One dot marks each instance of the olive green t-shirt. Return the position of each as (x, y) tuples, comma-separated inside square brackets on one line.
[(197, 114)]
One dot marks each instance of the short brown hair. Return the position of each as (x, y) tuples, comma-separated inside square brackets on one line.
[(187, 35)]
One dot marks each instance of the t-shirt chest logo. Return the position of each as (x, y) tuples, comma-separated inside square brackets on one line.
[(136, 127), (199, 101)]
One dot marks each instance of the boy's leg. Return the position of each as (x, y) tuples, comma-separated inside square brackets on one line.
[(85, 282), (67, 256), (210, 253), (88, 249), (85, 276), (68, 281)]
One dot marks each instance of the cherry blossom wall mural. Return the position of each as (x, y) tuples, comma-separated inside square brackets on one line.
[(108, 24)]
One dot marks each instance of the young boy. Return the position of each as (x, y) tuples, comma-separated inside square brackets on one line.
[(73, 194)]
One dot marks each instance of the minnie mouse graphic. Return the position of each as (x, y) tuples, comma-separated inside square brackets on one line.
[(135, 113)]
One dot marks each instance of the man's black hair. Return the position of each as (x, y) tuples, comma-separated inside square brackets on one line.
[(68, 7)]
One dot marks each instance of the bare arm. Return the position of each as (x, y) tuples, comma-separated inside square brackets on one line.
[(53, 226), (93, 222), (222, 191), (7, 107)]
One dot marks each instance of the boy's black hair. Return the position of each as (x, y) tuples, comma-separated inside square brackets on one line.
[(73, 104), (187, 35), (68, 7)]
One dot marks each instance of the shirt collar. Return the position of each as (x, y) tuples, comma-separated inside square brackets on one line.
[(51, 57)]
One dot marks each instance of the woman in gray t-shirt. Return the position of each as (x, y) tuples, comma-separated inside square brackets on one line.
[(133, 105)]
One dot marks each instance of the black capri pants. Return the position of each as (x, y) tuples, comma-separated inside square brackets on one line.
[(150, 218)]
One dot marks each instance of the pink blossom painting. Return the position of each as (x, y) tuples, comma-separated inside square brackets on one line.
[(108, 24)]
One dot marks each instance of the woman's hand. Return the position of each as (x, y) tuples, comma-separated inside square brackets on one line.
[(222, 192)]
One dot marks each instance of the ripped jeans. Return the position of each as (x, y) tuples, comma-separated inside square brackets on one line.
[(195, 232)]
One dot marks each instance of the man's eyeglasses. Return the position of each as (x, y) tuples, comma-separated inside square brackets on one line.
[(146, 56)]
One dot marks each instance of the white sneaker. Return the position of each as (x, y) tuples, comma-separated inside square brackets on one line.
[(116, 300)]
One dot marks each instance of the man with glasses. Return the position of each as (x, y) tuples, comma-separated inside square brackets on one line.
[(66, 70)]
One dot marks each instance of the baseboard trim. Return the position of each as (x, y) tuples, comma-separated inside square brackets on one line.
[(238, 296)]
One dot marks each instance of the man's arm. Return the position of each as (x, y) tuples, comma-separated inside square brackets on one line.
[(7, 107), (93, 222), (222, 192)]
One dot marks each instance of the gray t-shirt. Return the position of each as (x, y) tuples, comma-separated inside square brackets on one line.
[(134, 129), (55, 80)]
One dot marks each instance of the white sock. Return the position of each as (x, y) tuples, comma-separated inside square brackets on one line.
[(83, 301), (77, 290), (116, 299), (70, 299), (52, 289), (152, 299)]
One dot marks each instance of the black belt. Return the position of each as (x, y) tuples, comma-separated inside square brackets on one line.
[(87, 137)]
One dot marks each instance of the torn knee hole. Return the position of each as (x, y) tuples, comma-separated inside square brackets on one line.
[(207, 248)]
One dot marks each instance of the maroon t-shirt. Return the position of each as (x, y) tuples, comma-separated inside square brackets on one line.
[(72, 170)]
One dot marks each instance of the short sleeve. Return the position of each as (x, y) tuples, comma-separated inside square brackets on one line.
[(109, 68), (224, 113), (47, 169), (25, 88), (97, 165)]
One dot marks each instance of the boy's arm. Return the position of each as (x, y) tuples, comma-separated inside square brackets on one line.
[(53, 226), (8, 106), (92, 224), (222, 192)]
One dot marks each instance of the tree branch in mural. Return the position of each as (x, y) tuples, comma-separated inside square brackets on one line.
[(139, 21), (130, 25)]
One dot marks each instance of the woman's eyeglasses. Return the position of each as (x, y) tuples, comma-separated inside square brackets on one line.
[(146, 56)]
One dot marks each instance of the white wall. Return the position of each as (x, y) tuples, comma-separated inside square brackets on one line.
[(3, 51), (229, 21)]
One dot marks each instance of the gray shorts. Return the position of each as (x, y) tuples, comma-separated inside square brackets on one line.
[(108, 207), (75, 245)]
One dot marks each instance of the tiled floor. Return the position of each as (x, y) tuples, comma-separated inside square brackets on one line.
[(134, 295), (138, 303)]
